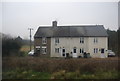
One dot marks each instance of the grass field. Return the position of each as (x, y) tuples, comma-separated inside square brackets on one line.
[(25, 49), (49, 68)]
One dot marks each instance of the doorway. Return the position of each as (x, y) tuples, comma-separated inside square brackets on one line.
[(102, 53), (75, 52), (63, 52)]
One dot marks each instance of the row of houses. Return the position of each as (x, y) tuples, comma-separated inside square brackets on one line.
[(74, 41)]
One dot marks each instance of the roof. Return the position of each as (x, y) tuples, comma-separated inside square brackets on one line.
[(71, 31)]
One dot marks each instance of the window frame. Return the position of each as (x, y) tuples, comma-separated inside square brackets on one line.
[(95, 40), (81, 50), (95, 50), (44, 48), (82, 40), (44, 40), (57, 40), (57, 50)]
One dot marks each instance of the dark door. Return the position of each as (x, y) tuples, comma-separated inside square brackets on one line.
[(63, 52), (102, 50)]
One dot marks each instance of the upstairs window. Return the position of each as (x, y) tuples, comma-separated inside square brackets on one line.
[(44, 40), (95, 40), (81, 39), (56, 50), (95, 50), (81, 50), (56, 40)]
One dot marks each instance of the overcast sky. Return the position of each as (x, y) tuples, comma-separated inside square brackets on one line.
[(17, 17)]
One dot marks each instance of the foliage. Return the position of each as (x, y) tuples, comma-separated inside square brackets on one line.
[(113, 41), (10, 46), (111, 74), (118, 33), (62, 68), (20, 73)]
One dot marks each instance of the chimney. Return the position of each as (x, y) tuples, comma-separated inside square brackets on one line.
[(54, 23)]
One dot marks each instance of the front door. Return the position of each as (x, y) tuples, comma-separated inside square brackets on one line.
[(102, 53), (63, 52), (74, 52)]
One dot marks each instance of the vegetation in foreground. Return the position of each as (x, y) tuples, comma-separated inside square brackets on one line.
[(24, 67), (41, 68)]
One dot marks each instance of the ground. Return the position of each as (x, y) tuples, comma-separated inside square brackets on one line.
[(29, 67), (54, 68)]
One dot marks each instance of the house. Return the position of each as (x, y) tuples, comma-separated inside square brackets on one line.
[(74, 41)]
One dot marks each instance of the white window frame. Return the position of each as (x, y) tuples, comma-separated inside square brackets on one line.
[(44, 50), (95, 40), (44, 40), (37, 47), (82, 40), (57, 50), (81, 50), (95, 50), (57, 40)]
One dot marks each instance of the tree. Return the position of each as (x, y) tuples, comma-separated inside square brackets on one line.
[(118, 34), (112, 40), (10, 46)]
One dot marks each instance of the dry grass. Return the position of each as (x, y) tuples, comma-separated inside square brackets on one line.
[(54, 65), (25, 48)]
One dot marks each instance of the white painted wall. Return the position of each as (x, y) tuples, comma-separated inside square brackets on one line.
[(70, 42), (102, 43)]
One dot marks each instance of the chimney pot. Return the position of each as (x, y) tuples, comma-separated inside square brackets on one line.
[(54, 23)]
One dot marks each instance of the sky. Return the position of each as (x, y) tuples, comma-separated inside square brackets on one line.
[(17, 17)]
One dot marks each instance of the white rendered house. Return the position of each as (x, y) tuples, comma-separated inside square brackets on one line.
[(74, 41)]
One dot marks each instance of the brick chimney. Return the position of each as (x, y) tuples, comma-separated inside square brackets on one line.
[(54, 23)]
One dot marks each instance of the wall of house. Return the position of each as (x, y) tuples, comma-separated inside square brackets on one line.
[(68, 43), (38, 43), (102, 43)]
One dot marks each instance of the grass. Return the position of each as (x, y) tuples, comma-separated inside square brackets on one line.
[(113, 74), (26, 48), (48, 68), (19, 73)]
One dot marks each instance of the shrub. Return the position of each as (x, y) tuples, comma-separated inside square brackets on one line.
[(72, 67)]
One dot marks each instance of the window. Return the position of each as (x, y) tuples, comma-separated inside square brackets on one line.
[(56, 50), (44, 50), (56, 40), (95, 50), (81, 39), (44, 40), (81, 50), (37, 47), (95, 40)]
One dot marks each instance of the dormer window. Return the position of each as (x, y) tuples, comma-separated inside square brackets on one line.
[(44, 40)]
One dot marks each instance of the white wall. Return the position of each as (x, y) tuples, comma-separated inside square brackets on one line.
[(102, 43), (70, 42)]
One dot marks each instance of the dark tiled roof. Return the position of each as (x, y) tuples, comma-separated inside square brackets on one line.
[(71, 31)]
